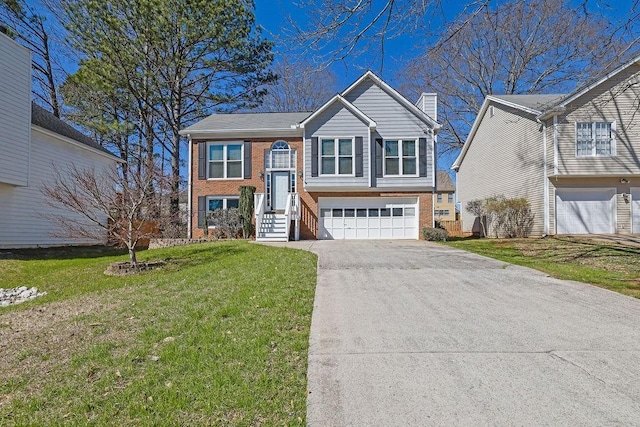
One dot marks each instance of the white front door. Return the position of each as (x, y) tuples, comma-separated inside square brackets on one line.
[(585, 211), (279, 190)]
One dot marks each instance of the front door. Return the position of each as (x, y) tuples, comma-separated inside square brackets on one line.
[(279, 190)]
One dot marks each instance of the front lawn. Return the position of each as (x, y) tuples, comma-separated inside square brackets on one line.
[(218, 336), (608, 265)]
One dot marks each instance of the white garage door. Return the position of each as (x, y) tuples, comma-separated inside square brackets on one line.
[(635, 210), (581, 211), (368, 218)]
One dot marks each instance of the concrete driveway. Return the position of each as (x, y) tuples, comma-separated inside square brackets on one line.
[(409, 333)]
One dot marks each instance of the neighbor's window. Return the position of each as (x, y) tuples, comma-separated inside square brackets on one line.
[(400, 157), (595, 139), (439, 198), (225, 160), (450, 197), (336, 156)]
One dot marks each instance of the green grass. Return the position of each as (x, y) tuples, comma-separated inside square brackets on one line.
[(218, 336), (609, 265)]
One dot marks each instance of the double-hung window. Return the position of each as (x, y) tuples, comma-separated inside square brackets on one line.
[(225, 160), (449, 197), (595, 139), (336, 156), (400, 157), (227, 202)]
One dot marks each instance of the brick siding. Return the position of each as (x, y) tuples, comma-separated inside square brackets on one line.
[(308, 201)]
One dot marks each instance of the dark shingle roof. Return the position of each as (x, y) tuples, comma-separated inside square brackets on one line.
[(444, 182), (45, 119), (534, 102), (248, 121)]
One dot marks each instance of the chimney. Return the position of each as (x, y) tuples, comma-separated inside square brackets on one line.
[(428, 103)]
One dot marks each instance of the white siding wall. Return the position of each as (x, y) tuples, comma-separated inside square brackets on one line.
[(614, 100), (15, 112), (504, 158), (23, 211)]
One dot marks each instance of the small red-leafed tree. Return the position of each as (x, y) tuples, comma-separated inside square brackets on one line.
[(93, 204)]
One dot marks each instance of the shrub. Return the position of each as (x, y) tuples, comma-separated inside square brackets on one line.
[(435, 234), (502, 216), (227, 223)]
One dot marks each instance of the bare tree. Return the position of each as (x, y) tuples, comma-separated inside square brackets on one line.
[(101, 204), (31, 29), (300, 87), (338, 29), (521, 47)]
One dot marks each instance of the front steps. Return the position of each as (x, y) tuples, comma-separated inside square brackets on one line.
[(274, 228)]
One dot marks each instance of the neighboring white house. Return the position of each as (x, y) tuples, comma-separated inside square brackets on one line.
[(575, 157), (33, 143)]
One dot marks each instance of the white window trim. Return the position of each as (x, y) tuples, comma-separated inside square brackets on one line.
[(225, 144), (593, 137), (225, 199), (336, 156), (384, 157)]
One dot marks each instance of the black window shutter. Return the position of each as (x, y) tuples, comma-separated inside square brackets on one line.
[(378, 157), (247, 159), (359, 160), (202, 210), (422, 146), (202, 160), (314, 156)]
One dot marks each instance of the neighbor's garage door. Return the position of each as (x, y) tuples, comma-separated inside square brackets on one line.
[(589, 211), (635, 210), (368, 218)]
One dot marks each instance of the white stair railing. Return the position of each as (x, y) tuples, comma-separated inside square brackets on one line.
[(258, 203), (288, 212)]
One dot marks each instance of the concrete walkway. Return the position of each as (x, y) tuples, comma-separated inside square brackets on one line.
[(414, 334)]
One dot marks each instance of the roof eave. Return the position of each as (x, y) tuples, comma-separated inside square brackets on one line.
[(239, 133)]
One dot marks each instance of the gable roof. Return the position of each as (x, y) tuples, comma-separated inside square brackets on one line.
[(526, 103), (228, 122), (349, 106), (535, 103), (444, 182), (586, 88), (47, 120), (395, 95)]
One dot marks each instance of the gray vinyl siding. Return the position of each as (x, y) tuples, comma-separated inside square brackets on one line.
[(392, 118), (25, 218), (335, 122), (623, 209), (505, 158), (415, 182), (614, 100), (393, 121), (15, 112)]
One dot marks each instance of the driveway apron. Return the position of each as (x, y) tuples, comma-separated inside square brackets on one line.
[(409, 333)]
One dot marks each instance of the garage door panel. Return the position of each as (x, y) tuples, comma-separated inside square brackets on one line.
[(368, 218), (581, 211), (635, 210)]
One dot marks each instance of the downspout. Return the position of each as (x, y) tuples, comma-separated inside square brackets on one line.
[(555, 145), (189, 188), (545, 177), (434, 168)]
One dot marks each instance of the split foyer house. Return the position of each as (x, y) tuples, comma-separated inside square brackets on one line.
[(362, 166), (33, 145), (575, 157)]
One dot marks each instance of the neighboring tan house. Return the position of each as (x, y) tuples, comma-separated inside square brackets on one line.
[(575, 157), (362, 166), (33, 143), (445, 199)]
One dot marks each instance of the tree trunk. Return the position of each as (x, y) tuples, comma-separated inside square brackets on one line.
[(174, 199), (132, 256)]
